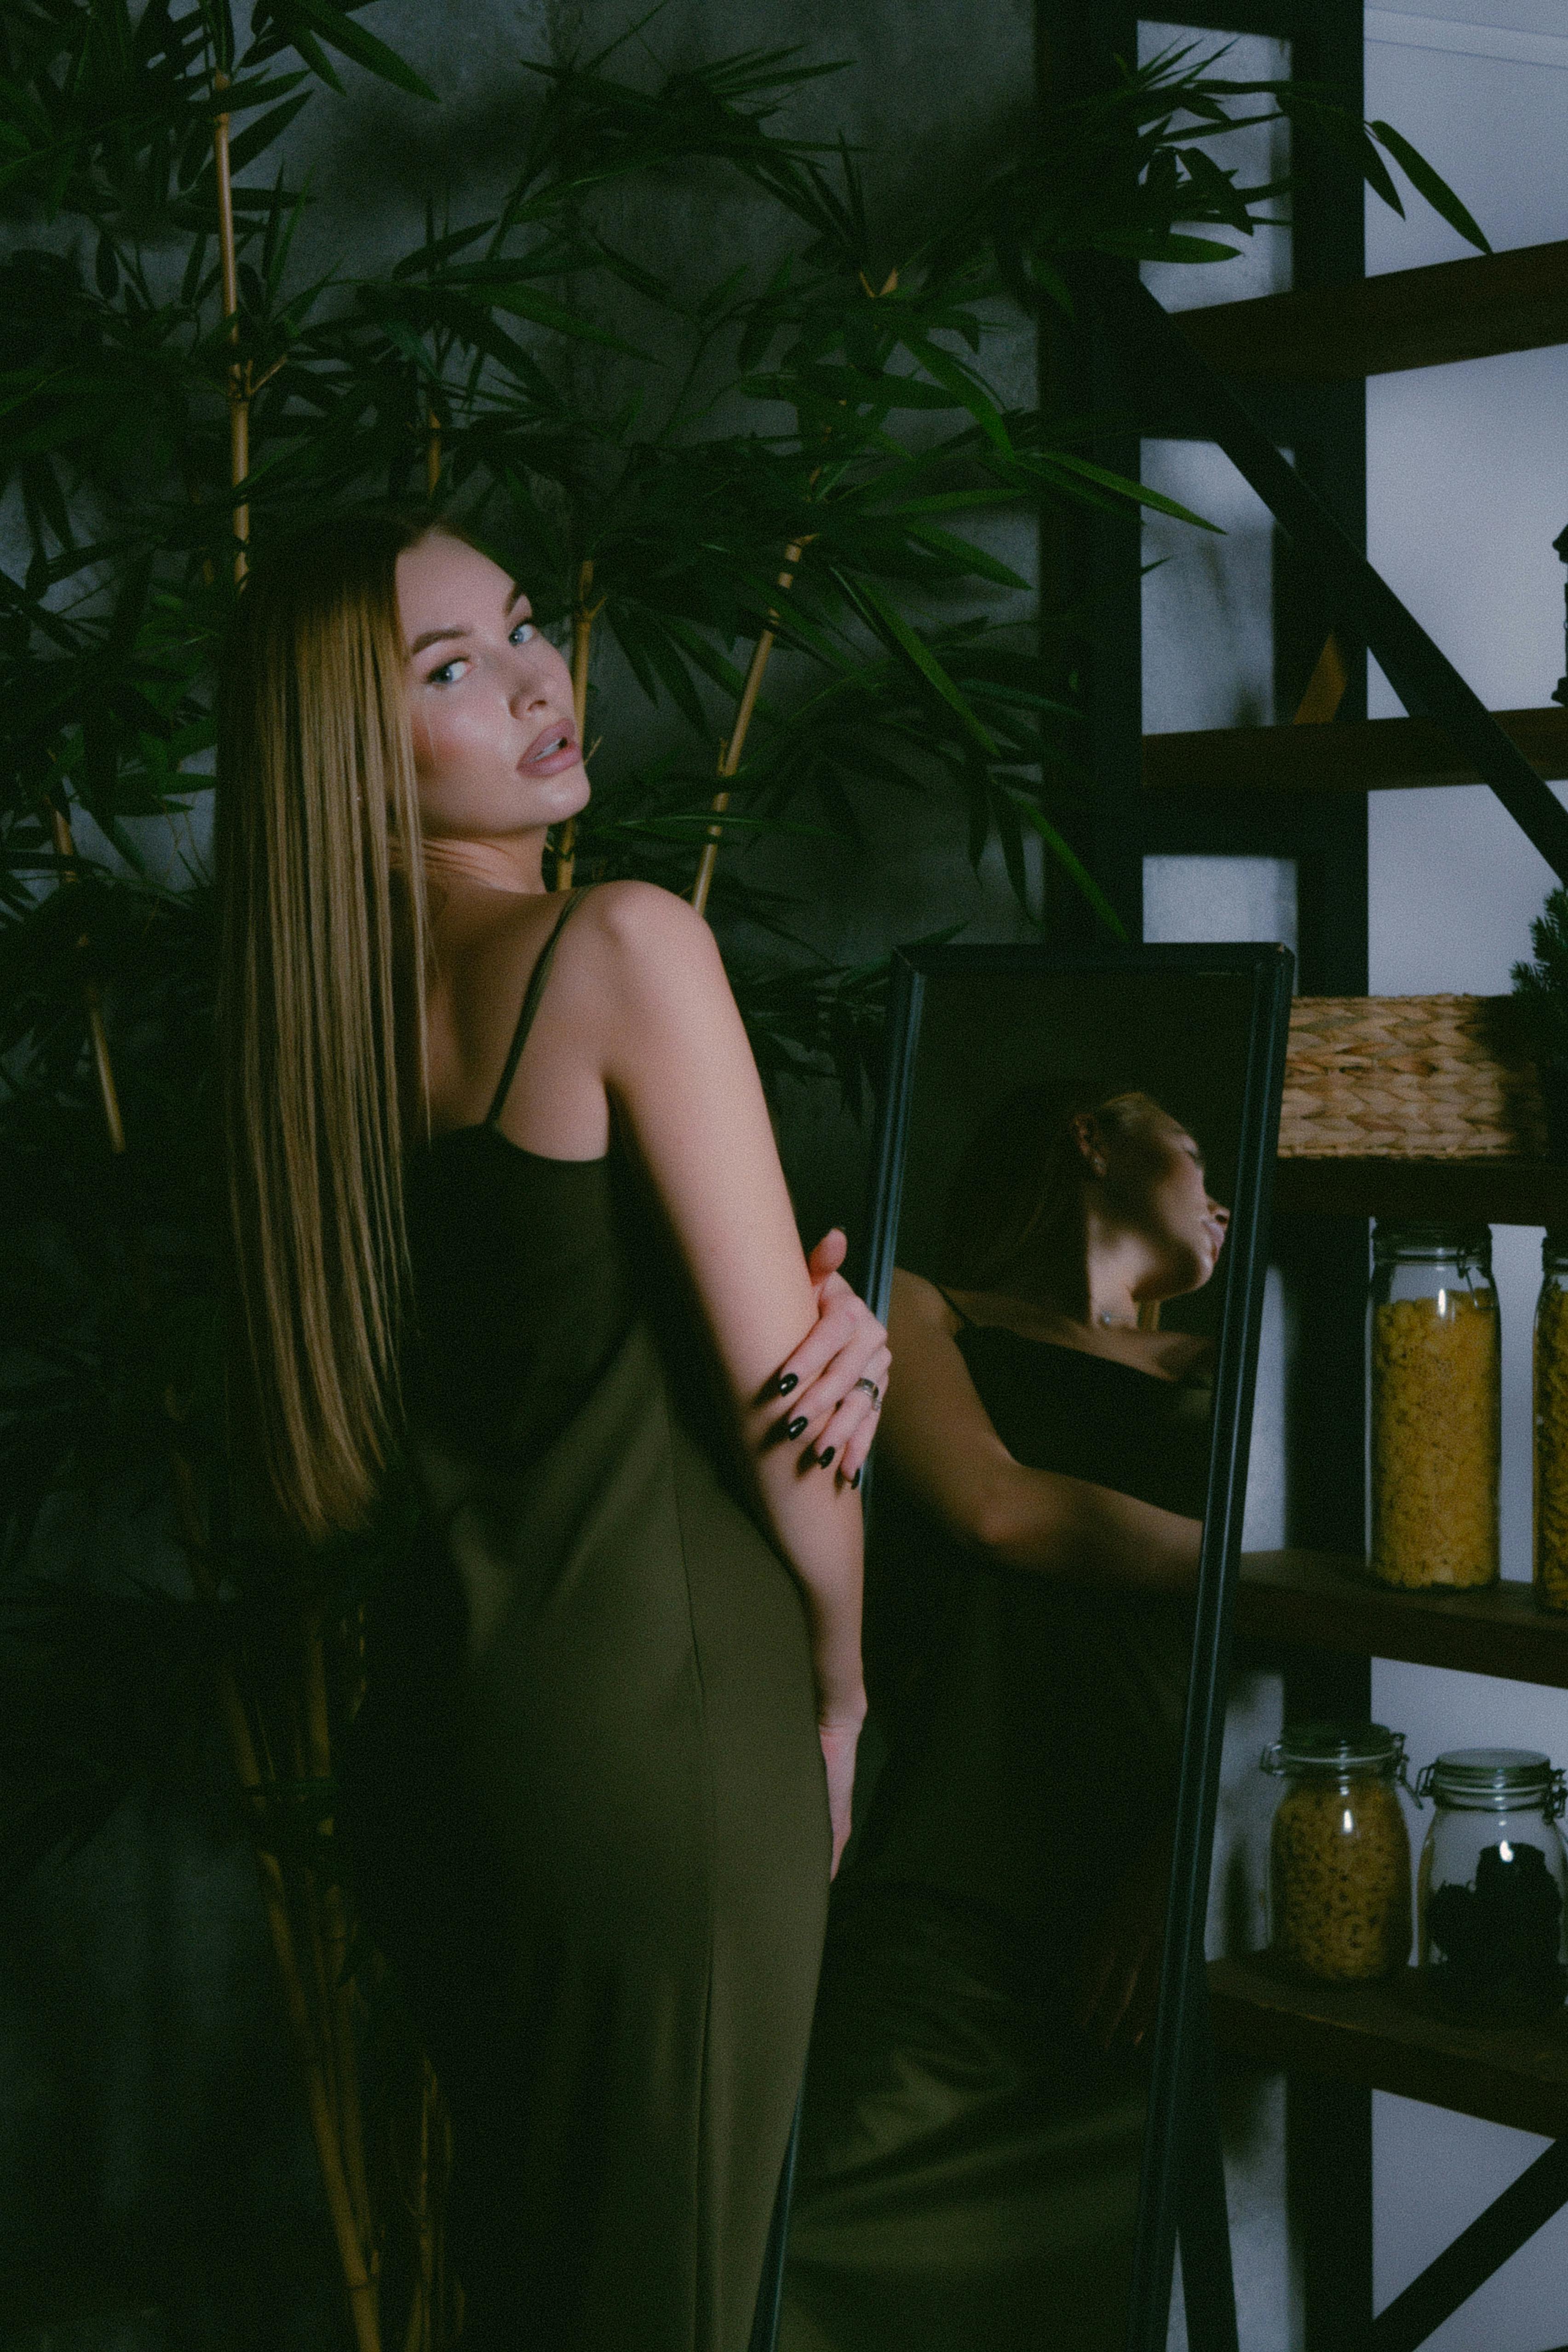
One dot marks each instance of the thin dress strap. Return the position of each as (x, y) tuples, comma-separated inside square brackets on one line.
[(531, 995), (966, 1319)]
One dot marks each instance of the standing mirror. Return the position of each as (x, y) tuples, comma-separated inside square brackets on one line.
[(996, 2142)]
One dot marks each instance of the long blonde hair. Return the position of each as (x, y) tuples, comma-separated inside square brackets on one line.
[(320, 1006)]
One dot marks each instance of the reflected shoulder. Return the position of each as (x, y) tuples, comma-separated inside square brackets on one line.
[(913, 1299), (1184, 1353)]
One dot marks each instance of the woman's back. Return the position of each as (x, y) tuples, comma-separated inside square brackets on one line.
[(590, 1685)]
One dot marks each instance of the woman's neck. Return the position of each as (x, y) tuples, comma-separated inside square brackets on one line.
[(515, 864)]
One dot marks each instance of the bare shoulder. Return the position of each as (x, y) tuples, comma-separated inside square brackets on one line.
[(642, 923), (913, 1300)]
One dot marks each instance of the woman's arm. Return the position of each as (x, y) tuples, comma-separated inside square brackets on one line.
[(679, 1072), (948, 1452)]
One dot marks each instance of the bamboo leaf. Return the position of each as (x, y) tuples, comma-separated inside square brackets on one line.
[(257, 137), (1426, 183), (894, 629), (1070, 862), (320, 22), (974, 559), (427, 257), (1064, 461)]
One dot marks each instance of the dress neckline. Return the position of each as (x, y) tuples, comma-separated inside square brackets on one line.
[(518, 1150), (1089, 1355)]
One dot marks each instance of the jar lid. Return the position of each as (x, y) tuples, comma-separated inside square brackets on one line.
[(1413, 1238), (1493, 1779), (1335, 1748)]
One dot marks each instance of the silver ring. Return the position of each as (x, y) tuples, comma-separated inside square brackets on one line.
[(872, 1391)]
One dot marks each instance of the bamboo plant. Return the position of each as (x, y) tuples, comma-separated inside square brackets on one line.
[(173, 392)]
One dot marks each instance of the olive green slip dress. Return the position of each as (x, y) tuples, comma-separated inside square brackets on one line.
[(586, 1794)]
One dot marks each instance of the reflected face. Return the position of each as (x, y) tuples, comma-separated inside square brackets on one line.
[(1155, 1183), (495, 743)]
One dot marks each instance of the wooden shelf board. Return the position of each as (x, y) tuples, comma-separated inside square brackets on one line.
[(1484, 1192), (1327, 1600), (1381, 2036), (1452, 310), (1359, 756)]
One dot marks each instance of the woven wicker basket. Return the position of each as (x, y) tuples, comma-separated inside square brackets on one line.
[(1409, 1077)]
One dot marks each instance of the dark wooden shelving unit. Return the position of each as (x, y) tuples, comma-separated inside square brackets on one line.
[(1299, 364), (1384, 2037), (1480, 1190), (1374, 755), (1330, 1602), (1469, 309)]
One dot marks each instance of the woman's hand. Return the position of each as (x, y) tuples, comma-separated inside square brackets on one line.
[(831, 1388), (839, 1740)]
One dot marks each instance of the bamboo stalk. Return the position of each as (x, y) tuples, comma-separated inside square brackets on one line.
[(730, 752), (583, 616), (422, 2310), (108, 1092), (357, 2280), (337, 2004), (239, 373)]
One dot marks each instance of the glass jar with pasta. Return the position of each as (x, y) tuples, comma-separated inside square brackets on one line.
[(1551, 1512), (1435, 1365), (1339, 1851)]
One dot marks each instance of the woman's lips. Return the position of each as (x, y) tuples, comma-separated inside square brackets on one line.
[(551, 752)]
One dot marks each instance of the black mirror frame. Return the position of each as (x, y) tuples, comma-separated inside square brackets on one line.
[(1178, 2029)]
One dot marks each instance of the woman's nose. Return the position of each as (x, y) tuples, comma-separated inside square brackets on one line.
[(1221, 1216)]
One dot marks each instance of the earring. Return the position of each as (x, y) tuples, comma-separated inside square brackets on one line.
[(1098, 1165)]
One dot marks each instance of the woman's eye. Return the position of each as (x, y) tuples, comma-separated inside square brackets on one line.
[(522, 633), (449, 673)]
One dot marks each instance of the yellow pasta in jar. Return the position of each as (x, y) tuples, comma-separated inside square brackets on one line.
[(1340, 1872), (1551, 1512), (1435, 1437)]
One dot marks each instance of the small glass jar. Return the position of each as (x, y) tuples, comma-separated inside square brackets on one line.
[(1491, 1885), (1551, 1512), (1339, 1853), (1436, 1382)]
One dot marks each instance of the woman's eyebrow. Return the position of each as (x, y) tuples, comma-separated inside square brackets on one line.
[(435, 637)]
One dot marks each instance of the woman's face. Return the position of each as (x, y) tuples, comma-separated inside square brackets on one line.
[(1155, 1183), (495, 744)]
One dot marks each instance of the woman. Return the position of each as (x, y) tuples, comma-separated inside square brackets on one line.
[(503, 1178), (974, 2109)]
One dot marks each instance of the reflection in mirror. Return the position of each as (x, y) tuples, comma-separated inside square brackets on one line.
[(974, 2119)]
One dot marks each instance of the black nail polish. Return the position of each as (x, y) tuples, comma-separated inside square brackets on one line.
[(795, 1426), (826, 1455), (786, 1381), (856, 1479)]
